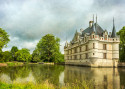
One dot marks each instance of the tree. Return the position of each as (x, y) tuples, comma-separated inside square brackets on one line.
[(6, 56), (4, 38), (48, 48), (122, 44), (14, 49), (35, 56), (23, 55)]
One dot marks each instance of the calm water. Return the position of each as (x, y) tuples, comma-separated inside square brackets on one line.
[(103, 78)]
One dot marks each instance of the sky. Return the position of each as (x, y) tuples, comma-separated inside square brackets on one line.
[(26, 21)]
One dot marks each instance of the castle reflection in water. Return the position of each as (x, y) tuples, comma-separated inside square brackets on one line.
[(103, 78)]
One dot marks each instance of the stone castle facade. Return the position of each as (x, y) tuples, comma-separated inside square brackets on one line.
[(93, 47)]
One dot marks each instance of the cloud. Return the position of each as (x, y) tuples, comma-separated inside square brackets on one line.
[(27, 21)]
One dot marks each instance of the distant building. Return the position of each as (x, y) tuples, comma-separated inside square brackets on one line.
[(93, 46)]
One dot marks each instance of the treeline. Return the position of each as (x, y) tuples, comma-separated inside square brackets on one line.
[(47, 50), (122, 44)]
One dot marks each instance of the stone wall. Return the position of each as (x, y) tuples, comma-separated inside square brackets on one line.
[(93, 62)]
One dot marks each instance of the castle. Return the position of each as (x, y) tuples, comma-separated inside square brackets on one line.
[(93, 47)]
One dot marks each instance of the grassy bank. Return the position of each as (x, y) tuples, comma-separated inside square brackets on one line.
[(47, 85), (26, 86), (11, 64), (14, 63)]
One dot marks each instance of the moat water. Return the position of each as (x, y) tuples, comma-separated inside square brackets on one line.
[(59, 75)]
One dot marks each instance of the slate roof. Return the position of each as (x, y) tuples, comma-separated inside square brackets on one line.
[(113, 30), (95, 27)]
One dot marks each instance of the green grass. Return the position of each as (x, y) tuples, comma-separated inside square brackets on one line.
[(47, 85), (26, 86), (14, 63)]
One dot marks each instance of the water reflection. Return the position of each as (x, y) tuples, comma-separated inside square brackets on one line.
[(103, 78), (31, 73)]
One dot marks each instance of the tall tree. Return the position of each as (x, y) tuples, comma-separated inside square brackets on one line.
[(23, 55), (122, 44), (14, 49), (4, 38), (35, 56), (6, 56), (48, 48)]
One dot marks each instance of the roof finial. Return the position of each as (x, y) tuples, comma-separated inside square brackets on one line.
[(96, 18), (93, 18), (113, 22)]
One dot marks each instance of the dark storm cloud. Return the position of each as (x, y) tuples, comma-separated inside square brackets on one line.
[(28, 20)]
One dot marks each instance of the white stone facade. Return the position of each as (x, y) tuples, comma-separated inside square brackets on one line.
[(93, 50)]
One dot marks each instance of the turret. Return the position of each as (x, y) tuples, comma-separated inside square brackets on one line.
[(94, 26), (113, 30)]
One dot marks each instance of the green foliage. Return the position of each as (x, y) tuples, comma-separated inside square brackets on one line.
[(4, 38), (6, 56), (14, 49), (14, 63), (35, 56), (48, 48), (47, 85), (1, 57), (122, 44), (60, 58), (23, 55)]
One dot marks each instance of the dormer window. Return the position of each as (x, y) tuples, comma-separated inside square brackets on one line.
[(104, 47), (105, 37)]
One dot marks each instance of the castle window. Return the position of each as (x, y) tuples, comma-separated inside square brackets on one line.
[(104, 47), (68, 58), (93, 36), (86, 47), (86, 55), (113, 39), (80, 56), (104, 55), (80, 49), (93, 54), (75, 50), (93, 45), (75, 57)]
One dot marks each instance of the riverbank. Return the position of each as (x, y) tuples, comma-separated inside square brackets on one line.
[(14, 63), (11, 64), (47, 85)]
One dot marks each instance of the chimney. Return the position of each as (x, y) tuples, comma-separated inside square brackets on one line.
[(110, 34), (90, 23)]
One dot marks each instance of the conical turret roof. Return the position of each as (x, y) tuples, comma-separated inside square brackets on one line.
[(113, 30)]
